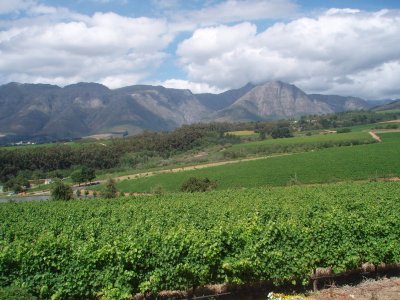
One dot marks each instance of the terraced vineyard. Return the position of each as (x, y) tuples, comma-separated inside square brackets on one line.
[(333, 164), (115, 248)]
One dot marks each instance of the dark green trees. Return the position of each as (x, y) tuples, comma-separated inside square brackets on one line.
[(61, 191), (83, 174), (17, 184)]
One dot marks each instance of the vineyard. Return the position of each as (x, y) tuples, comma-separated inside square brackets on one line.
[(362, 162), (112, 249)]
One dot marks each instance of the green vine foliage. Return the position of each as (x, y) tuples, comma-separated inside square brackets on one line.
[(112, 249)]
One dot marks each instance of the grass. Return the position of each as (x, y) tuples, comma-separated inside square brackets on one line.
[(388, 111), (243, 133), (319, 138), (323, 166)]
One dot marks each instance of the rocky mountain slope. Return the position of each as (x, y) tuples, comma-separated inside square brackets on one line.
[(340, 103), (278, 100), (87, 108), (392, 105)]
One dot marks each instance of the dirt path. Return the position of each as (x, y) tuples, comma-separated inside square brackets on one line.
[(375, 136), (391, 121), (194, 167), (384, 289)]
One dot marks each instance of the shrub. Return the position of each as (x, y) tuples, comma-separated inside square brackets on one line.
[(281, 132), (157, 190), (110, 190), (343, 130), (61, 191), (194, 184)]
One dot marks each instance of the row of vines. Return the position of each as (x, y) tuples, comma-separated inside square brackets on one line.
[(113, 249)]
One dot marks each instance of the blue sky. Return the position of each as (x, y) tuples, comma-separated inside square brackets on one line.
[(332, 47)]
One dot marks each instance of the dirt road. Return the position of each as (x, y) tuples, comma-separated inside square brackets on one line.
[(384, 289), (375, 136), (194, 167)]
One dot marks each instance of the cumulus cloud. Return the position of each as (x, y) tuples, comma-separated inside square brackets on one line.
[(240, 10), (194, 87), (14, 6), (105, 47), (339, 51)]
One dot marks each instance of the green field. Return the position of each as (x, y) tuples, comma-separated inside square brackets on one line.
[(322, 166), (313, 139), (243, 133), (111, 249)]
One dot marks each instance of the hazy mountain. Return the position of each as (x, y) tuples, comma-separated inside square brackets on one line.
[(374, 103), (272, 100), (340, 103), (392, 105), (220, 101), (87, 108)]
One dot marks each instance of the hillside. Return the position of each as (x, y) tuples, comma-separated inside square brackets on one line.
[(340, 103), (392, 105), (272, 100), (87, 108)]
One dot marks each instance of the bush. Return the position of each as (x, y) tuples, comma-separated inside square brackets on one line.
[(343, 130), (157, 190), (61, 191), (194, 184), (110, 190), (281, 132)]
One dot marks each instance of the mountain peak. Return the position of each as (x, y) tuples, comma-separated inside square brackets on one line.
[(87, 86)]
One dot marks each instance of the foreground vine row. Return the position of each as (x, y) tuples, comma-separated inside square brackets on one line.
[(116, 248)]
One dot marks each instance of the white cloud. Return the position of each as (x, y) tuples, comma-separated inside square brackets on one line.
[(224, 12), (69, 47), (194, 87), (12, 6), (337, 51), (240, 10)]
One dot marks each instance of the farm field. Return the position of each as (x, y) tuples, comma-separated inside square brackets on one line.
[(115, 248), (323, 166), (243, 133), (313, 139)]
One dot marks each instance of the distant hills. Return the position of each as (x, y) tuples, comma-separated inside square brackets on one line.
[(88, 108), (388, 106)]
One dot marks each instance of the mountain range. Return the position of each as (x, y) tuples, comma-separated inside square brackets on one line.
[(89, 108)]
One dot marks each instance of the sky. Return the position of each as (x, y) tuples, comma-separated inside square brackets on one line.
[(329, 47)]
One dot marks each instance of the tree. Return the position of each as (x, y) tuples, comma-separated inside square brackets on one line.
[(83, 174), (262, 135), (61, 191), (77, 177), (17, 184), (88, 174), (110, 190), (281, 132)]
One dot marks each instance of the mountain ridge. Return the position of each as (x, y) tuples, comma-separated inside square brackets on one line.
[(83, 108)]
